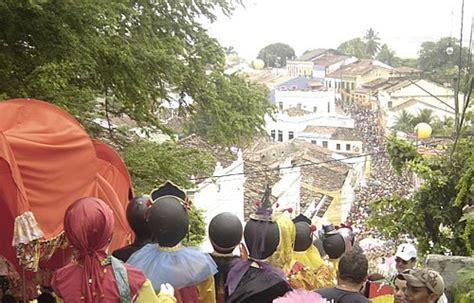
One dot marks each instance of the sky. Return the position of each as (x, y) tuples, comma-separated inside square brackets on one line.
[(309, 24)]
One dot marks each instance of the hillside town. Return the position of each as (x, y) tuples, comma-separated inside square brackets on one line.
[(144, 159)]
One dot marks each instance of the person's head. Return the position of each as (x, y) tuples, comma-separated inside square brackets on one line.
[(423, 285), (353, 268), (405, 258), (225, 232), (88, 225), (400, 288), (136, 209), (168, 220)]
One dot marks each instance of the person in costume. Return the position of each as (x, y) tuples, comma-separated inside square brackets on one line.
[(254, 279), (304, 250), (94, 276), (337, 241), (136, 219), (188, 270), (283, 258), (225, 234)]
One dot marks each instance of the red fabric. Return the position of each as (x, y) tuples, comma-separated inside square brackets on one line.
[(110, 292), (88, 224), (47, 161), (187, 295), (111, 166), (378, 289)]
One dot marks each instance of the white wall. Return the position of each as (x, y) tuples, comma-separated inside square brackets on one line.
[(297, 124), (287, 190), (414, 92), (355, 145), (225, 194), (324, 101)]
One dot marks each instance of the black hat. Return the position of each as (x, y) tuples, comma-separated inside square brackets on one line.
[(225, 232), (168, 189), (302, 218), (333, 244), (136, 210), (303, 238), (261, 233), (168, 220), (262, 238)]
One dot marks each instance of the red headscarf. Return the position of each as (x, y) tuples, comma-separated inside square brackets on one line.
[(88, 224)]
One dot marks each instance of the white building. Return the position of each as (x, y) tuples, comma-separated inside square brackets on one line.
[(337, 139), (286, 127), (222, 194), (321, 101), (413, 96)]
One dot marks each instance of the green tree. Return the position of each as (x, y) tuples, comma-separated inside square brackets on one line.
[(372, 43), (433, 213), (435, 61), (387, 56), (276, 54), (132, 54), (151, 164), (354, 47), (424, 115), (235, 115), (404, 122)]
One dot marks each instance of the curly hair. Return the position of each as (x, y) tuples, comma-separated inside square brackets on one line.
[(353, 267)]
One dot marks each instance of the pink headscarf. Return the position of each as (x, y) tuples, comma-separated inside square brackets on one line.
[(88, 224)]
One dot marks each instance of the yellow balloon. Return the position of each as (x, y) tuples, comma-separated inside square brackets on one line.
[(258, 64), (423, 130)]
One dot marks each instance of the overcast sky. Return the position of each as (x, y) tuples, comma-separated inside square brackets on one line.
[(308, 24)]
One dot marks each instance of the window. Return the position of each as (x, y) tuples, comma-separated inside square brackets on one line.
[(314, 142), (280, 105), (348, 147), (280, 136), (325, 144), (329, 107), (390, 104), (329, 85), (291, 135), (338, 146), (352, 85), (315, 109), (273, 134)]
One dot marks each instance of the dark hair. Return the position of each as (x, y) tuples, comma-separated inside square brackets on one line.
[(46, 298), (353, 267)]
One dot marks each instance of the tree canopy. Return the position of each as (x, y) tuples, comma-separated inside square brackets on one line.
[(134, 55), (276, 54), (433, 214), (355, 47), (437, 64), (372, 43)]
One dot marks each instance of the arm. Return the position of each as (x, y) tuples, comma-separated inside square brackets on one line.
[(147, 294)]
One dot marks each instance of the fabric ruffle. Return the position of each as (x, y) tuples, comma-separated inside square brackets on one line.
[(181, 268)]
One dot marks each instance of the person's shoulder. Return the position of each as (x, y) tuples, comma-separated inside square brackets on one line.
[(326, 291)]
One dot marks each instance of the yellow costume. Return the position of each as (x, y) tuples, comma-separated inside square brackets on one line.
[(145, 295), (310, 257)]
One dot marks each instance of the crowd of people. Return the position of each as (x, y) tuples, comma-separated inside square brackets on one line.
[(278, 263), (381, 182)]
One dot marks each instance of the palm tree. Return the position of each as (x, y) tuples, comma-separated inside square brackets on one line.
[(424, 115), (404, 122), (372, 43)]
